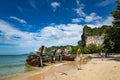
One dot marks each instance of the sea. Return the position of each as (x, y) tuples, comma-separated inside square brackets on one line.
[(11, 64)]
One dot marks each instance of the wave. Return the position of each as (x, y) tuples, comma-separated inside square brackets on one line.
[(12, 66)]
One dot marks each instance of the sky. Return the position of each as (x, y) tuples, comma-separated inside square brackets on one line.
[(25, 25)]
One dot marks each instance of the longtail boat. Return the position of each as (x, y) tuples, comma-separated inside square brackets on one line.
[(34, 60), (38, 60)]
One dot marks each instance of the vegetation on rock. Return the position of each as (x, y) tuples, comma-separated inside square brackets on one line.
[(87, 31)]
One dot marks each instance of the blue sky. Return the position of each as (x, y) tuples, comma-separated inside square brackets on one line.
[(25, 25)]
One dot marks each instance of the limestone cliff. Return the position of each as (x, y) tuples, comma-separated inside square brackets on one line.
[(94, 35), (96, 39)]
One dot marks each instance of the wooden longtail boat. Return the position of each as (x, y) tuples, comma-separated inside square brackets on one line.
[(68, 58), (38, 60), (34, 60)]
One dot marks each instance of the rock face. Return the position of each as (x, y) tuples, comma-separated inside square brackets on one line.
[(97, 40), (93, 35)]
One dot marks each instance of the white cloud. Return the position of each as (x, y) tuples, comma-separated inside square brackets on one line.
[(14, 36), (18, 19), (80, 11), (51, 32), (55, 5), (105, 3), (92, 17), (88, 18), (83, 16), (11, 33), (76, 20), (50, 35), (107, 21), (62, 34)]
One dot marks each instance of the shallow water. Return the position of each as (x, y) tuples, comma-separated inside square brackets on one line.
[(10, 64)]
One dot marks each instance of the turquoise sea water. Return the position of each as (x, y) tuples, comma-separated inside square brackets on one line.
[(10, 64)]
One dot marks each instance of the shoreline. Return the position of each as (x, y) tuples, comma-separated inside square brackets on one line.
[(27, 68), (33, 70), (96, 69)]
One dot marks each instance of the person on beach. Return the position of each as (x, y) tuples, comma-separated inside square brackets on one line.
[(102, 56), (41, 51), (78, 58)]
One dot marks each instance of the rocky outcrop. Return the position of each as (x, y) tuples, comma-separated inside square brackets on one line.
[(97, 40), (94, 35)]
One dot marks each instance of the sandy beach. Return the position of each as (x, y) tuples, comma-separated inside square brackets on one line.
[(96, 69)]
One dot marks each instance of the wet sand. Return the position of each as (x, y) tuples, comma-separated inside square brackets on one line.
[(96, 69)]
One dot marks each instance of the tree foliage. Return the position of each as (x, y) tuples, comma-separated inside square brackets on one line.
[(112, 38), (116, 15), (92, 48)]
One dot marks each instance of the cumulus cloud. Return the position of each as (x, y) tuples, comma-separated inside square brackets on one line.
[(63, 34), (88, 18), (105, 3), (50, 35), (18, 19), (13, 35), (55, 5), (82, 16), (92, 17), (52, 32), (106, 21)]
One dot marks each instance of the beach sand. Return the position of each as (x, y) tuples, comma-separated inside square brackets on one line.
[(96, 69)]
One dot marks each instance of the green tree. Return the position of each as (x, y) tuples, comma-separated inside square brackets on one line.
[(80, 43), (86, 50), (112, 37), (100, 49), (91, 48), (116, 15)]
